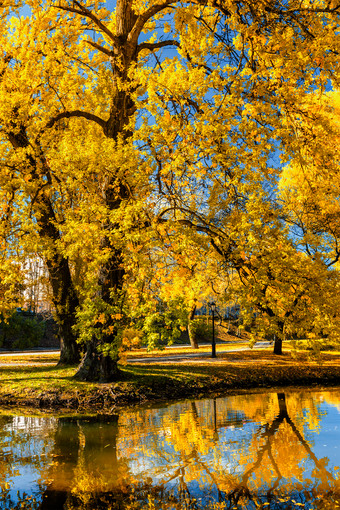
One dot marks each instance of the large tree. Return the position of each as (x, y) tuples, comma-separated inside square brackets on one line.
[(211, 119)]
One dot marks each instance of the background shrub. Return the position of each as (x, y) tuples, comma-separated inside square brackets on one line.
[(21, 330)]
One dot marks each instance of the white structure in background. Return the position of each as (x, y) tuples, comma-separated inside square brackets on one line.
[(36, 295)]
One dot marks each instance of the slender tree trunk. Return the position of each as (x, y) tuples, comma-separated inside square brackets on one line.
[(191, 332)]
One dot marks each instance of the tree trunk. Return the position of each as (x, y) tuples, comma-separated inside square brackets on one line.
[(65, 303), (95, 366), (191, 331), (278, 346), (98, 365), (278, 339), (65, 299)]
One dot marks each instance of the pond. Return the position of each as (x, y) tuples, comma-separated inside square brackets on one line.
[(259, 450)]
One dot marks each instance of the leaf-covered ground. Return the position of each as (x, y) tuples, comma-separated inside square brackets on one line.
[(37, 382)]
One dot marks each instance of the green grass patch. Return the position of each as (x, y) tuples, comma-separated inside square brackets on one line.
[(23, 380), (34, 382)]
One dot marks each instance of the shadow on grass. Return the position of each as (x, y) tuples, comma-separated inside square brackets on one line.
[(17, 374), (157, 374), (151, 373), (36, 368)]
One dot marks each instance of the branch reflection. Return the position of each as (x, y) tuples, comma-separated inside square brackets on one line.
[(245, 451)]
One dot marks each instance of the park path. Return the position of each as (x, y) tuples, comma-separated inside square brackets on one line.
[(195, 357), (191, 357)]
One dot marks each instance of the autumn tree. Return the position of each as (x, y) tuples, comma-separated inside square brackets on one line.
[(219, 147), (309, 185), (197, 130)]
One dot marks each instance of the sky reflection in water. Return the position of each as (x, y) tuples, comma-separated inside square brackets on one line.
[(262, 450)]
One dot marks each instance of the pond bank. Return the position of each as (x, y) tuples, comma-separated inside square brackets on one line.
[(45, 386)]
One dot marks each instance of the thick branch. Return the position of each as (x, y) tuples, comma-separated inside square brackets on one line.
[(155, 9), (198, 228), (157, 46), (210, 228), (79, 114), (143, 18), (217, 5)]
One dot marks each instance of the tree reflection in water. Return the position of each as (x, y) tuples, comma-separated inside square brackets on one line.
[(240, 452), (323, 478)]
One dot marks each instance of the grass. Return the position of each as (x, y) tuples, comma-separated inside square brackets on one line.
[(25, 359), (37, 381), (183, 349)]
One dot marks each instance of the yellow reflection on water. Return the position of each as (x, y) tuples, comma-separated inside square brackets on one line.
[(243, 451)]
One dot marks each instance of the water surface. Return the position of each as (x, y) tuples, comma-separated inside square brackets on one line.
[(262, 450)]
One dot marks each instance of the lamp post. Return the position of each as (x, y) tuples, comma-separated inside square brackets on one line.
[(213, 344)]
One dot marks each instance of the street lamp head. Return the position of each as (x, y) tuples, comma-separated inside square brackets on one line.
[(212, 306)]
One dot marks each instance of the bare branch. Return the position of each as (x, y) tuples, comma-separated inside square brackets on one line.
[(100, 48), (83, 11)]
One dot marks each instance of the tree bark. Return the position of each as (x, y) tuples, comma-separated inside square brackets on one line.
[(65, 301), (278, 346), (97, 367), (278, 340), (64, 296), (191, 332)]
